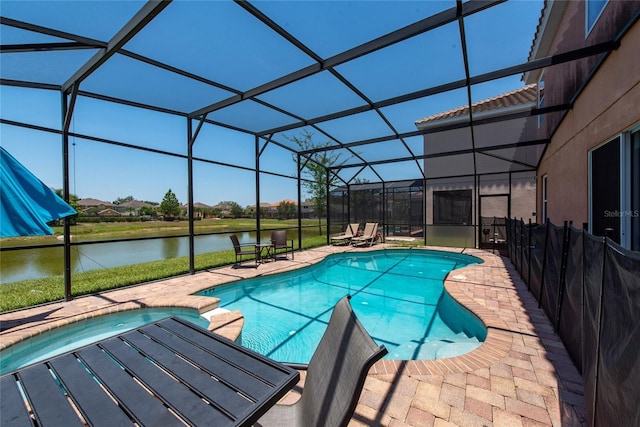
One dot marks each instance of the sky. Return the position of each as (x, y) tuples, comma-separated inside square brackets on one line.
[(240, 56)]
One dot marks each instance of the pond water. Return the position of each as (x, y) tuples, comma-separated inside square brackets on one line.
[(38, 263)]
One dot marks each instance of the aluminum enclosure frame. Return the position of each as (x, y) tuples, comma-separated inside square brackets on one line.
[(70, 90)]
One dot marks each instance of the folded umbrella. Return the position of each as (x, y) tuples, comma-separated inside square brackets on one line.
[(27, 204)]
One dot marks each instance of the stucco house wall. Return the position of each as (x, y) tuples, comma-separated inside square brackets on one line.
[(609, 105), (523, 195)]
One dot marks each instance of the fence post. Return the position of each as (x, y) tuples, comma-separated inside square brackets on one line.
[(521, 245), (563, 273), (495, 236), (507, 224), (544, 263), (529, 260), (597, 376)]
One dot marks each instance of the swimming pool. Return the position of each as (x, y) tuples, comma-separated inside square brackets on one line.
[(398, 295), (78, 334)]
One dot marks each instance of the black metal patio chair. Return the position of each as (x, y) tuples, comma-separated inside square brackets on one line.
[(335, 375), (279, 241), (241, 250)]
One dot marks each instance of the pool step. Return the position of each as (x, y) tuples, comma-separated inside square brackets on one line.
[(435, 348), (227, 323)]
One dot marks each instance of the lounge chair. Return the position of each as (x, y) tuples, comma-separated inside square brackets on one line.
[(241, 250), (335, 375), (344, 238), (279, 241), (368, 235)]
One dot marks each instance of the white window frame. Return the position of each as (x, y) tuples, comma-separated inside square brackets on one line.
[(625, 181), (625, 186), (545, 210), (540, 93), (625, 189), (588, 26)]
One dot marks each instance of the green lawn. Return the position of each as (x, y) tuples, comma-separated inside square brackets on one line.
[(109, 230), (37, 291)]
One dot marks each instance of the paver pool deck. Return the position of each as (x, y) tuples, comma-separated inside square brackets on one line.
[(520, 376)]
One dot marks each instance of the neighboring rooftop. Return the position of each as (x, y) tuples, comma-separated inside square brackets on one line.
[(519, 97)]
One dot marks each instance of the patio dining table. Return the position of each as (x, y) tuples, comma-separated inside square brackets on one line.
[(265, 251), (170, 372)]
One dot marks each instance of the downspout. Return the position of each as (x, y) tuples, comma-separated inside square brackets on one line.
[(328, 187), (257, 147), (349, 219), (299, 205), (424, 209), (384, 212)]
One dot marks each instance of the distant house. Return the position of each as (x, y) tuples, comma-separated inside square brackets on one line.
[(270, 210), (590, 170), (92, 207), (108, 212), (224, 208), (201, 210), (273, 210), (307, 208), (132, 207)]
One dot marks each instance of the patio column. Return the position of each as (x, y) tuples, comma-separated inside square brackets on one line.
[(67, 113), (190, 142), (191, 139)]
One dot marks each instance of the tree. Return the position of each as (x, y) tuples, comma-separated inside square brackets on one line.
[(315, 170), (170, 207), (236, 210), (73, 202), (121, 200), (286, 210), (148, 211), (73, 199)]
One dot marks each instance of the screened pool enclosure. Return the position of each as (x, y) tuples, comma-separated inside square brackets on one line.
[(415, 111)]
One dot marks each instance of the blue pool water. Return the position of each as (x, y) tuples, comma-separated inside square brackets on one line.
[(75, 335), (398, 295)]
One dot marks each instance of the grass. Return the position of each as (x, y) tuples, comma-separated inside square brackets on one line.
[(27, 293), (124, 230)]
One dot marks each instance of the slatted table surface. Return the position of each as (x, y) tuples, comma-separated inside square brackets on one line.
[(167, 373)]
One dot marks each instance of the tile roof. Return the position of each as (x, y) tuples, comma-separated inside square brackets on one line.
[(516, 97), (93, 202), (136, 204), (286, 201), (539, 28), (201, 205)]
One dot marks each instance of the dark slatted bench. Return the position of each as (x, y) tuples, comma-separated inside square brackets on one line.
[(167, 373)]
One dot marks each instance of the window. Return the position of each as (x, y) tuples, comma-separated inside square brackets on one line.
[(614, 183), (544, 200), (634, 208), (541, 99), (452, 207), (593, 10), (605, 190)]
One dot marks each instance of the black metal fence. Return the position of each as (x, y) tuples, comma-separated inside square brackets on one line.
[(589, 287)]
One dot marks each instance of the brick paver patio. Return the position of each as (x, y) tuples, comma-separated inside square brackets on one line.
[(520, 376)]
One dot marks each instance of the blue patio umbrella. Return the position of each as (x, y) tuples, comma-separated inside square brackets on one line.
[(26, 203)]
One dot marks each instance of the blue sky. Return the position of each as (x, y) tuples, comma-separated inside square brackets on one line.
[(107, 172)]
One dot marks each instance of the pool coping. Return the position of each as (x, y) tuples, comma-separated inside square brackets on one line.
[(229, 324), (520, 376)]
